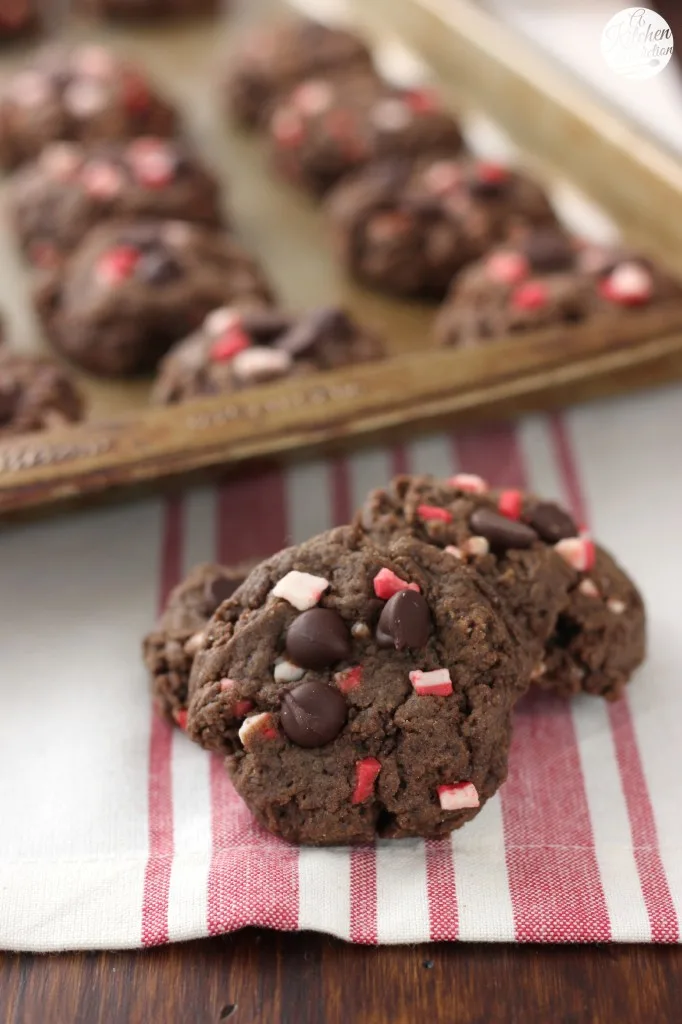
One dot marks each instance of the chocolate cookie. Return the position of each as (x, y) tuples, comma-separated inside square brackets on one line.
[(274, 57), (147, 8), (359, 693), (129, 291), (35, 394), (86, 94), (55, 200), (326, 128), (581, 618), (548, 280), (407, 227), (169, 649), (237, 349), (19, 17)]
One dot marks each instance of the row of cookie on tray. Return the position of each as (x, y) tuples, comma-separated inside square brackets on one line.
[(133, 255), (411, 214), (20, 18), (362, 684)]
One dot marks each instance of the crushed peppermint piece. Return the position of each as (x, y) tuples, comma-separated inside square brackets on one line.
[(301, 589), (476, 547), (458, 796), (469, 482), (615, 605), (436, 683), (386, 584), (360, 630), (366, 772), (257, 726), (529, 296), (510, 504), (588, 588), (349, 679), (428, 512), (220, 320), (180, 716), (313, 97), (391, 115), (507, 267), (579, 552), (228, 345), (287, 672), (194, 643), (628, 284), (456, 552)]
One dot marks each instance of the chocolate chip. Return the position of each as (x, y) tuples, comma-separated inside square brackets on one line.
[(326, 323), (551, 522), (313, 714), (157, 267), (218, 590), (265, 325), (500, 532), (404, 622), (318, 638), (548, 251)]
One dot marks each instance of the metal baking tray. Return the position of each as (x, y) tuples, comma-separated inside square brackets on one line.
[(482, 66)]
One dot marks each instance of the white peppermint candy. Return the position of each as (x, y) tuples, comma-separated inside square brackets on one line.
[(391, 115), (615, 605), (93, 62), (469, 482), (287, 672), (85, 97), (476, 546), (458, 796), (588, 588), (456, 552), (301, 589), (254, 726), (194, 643), (631, 281), (314, 97), (220, 320), (260, 363), (442, 176), (436, 683)]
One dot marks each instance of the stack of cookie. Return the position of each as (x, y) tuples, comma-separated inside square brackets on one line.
[(124, 228), (408, 210), (362, 684)]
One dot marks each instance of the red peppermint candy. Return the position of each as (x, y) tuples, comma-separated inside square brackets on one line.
[(507, 267), (102, 180), (628, 284), (510, 503), (226, 347), (432, 512), (423, 101), (117, 264), (152, 162), (135, 92), (529, 296), (386, 584), (366, 772), (493, 174), (180, 717), (458, 796), (349, 679)]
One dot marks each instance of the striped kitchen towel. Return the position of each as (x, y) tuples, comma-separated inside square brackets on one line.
[(117, 832)]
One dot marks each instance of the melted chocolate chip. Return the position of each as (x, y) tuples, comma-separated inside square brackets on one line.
[(500, 532), (313, 714), (265, 325), (548, 251), (157, 267), (218, 590), (328, 322), (318, 638), (404, 622), (551, 522)]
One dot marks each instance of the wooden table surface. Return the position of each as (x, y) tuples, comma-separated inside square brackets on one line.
[(256, 976)]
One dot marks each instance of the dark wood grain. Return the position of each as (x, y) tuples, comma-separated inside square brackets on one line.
[(309, 979)]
